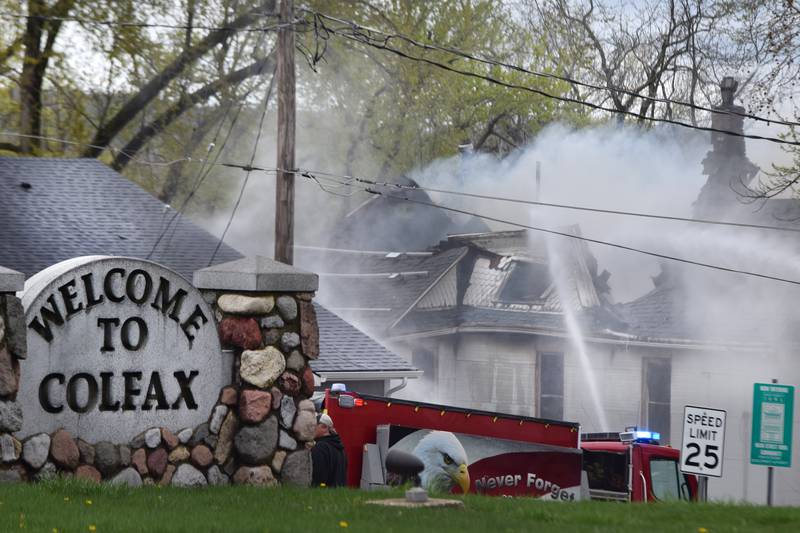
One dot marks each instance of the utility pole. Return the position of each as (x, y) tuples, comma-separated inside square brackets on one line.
[(284, 190)]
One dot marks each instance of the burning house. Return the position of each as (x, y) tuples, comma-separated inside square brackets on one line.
[(479, 311)]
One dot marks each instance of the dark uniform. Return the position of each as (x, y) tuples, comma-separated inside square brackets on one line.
[(329, 462)]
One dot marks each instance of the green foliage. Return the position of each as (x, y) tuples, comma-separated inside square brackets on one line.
[(74, 506)]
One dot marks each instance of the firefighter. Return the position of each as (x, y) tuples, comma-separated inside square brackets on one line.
[(329, 464)]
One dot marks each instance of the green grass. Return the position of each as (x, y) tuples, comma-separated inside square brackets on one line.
[(73, 507)]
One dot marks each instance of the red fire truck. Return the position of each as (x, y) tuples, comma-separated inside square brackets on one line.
[(499, 454)]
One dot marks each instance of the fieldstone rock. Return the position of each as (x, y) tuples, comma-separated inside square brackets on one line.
[(258, 476), (169, 438), (217, 416), (124, 455), (46, 472), (211, 441), (106, 458), (8, 377), (88, 473), (229, 468), (306, 405), (309, 330), (287, 307), (87, 452), (225, 442), (305, 425), (238, 304), (240, 332), (64, 451), (152, 437), (188, 476), (217, 477), (295, 361), (272, 322), (271, 336), (286, 441), (288, 411), (277, 397), (290, 384), (35, 450), (185, 435), (10, 417), (139, 461), (199, 435), (255, 444), (307, 385), (254, 405), (157, 462), (128, 476), (148, 482), (9, 452), (178, 454), (167, 477), (297, 469), (16, 340), (201, 456), (137, 441), (261, 367), (228, 396), (10, 475), (2, 326), (278, 459), (290, 340)]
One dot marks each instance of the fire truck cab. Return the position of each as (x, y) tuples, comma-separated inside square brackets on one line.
[(632, 467)]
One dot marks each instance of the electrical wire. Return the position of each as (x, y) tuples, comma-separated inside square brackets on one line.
[(126, 24), (366, 40), (582, 238), (547, 75), (401, 186)]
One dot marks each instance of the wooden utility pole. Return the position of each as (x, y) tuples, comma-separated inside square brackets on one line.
[(284, 190)]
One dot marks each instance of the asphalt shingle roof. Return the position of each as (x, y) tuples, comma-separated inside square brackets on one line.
[(52, 209), (347, 349)]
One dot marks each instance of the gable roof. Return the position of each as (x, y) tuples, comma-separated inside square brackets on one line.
[(52, 209)]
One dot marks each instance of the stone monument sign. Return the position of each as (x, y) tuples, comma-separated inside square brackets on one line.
[(116, 346)]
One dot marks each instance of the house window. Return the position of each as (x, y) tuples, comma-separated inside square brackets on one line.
[(551, 385), (425, 359), (656, 396)]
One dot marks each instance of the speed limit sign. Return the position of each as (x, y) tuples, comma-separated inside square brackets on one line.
[(703, 441)]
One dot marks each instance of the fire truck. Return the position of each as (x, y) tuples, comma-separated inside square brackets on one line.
[(468, 450)]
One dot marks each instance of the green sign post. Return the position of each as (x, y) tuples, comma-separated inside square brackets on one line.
[(771, 437)]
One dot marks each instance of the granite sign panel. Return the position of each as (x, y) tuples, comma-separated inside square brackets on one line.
[(116, 346)]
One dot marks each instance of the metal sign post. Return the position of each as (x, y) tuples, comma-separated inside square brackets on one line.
[(771, 436), (703, 444)]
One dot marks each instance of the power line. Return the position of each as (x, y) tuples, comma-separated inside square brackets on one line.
[(366, 40), (582, 238), (349, 183), (548, 204), (494, 62), (136, 24)]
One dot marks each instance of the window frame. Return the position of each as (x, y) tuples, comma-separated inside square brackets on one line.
[(540, 396)]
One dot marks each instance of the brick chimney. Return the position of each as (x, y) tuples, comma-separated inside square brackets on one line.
[(726, 164)]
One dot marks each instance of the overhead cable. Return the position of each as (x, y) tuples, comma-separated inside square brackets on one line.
[(548, 75), (366, 40)]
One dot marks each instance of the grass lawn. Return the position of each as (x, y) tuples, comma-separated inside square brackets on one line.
[(70, 506)]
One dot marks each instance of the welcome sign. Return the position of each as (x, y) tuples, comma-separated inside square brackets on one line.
[(116, 346)]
